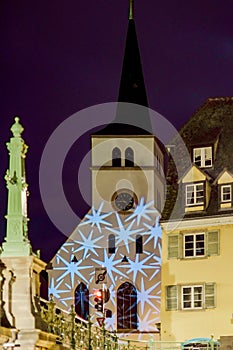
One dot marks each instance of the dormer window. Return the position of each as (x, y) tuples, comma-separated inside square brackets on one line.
[(226, 193), (196, 189), (202, 157), (195, 194), (225, 186)]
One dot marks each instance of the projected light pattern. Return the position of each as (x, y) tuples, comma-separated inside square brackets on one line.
[(88, 244)]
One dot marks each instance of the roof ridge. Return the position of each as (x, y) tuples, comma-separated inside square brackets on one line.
[(205, 104), (226, 98)]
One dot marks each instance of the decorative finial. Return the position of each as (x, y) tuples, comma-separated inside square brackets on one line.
[(17, 128), (131, 9)]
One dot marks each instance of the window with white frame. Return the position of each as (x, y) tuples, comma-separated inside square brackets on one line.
[(226, 193), (192, 297), (195, 194), (194, 245), (202, 157)]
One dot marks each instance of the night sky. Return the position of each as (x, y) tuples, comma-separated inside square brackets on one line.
[(58, 57)]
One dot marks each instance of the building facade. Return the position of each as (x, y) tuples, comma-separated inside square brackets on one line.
[(196, 257)]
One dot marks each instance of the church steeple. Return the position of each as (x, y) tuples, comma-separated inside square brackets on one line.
[(16, 239), (132, 86), (131, 120)]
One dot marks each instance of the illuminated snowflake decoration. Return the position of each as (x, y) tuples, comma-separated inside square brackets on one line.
[(96, 218), (54, 289), (87, 250), (87, 244), (147, 322), (124, 234), (110, 322), (111, 266), (145, 296), (72, 268), (138, 266), (154, 232), (142, 211)]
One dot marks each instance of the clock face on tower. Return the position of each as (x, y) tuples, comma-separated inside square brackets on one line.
[(123, 200)]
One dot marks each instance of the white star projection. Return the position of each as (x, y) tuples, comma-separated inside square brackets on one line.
[(101, 241), (87, 243), (146, 322), (110, 322), (138, 266), (110, 265), (71, 268), (145, 296), (96, 218), (154, 232), (142, 210), (54, 289), (124, 235)]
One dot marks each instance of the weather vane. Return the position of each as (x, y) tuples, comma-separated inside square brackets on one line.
[(131, 9)]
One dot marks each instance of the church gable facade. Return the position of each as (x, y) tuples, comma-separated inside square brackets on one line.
[(116, 248)]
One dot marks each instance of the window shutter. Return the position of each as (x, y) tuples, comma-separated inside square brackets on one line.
[(173, 246), (171, 297), (213, 243), (210, 295)]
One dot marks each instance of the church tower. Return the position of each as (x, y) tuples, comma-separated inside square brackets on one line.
[(126, 155), (116, 247)]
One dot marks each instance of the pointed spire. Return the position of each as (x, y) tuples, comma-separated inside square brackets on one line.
[(132, 90), (132, 86), (16, 240)]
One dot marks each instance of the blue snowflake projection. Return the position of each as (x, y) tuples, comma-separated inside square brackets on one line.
[(54, 289), (124, 234), (144, 296), (147, 322), (72, 268), (89, 245), (154, 232), (112, 292), (142, 211), (138, 266), (110, 322), (96, 218)]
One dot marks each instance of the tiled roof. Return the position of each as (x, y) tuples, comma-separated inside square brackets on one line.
[(211, 123)]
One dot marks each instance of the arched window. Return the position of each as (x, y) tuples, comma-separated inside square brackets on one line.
[(129, 157), (111, 244), (139, 248), (126, 306), (116, 157), (82, 301)]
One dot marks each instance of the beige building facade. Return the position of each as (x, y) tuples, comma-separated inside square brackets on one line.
[(197, 285)]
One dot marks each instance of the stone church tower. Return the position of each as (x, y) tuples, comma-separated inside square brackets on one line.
[(117, 245)]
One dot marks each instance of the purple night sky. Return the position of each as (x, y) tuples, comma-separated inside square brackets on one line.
[(59, 57)]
